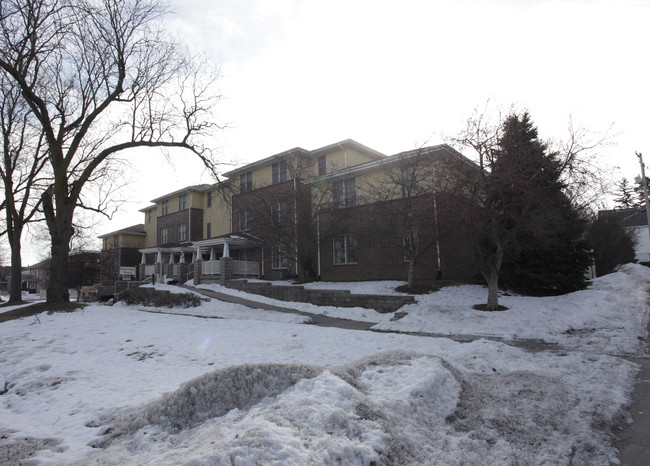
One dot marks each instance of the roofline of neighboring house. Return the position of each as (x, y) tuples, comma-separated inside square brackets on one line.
[(313, 153), (84, 251), (137, 230), (626, 215)]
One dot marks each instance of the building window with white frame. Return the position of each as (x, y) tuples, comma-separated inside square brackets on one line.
[(279, 213), (246, 182), (182, 232), (279, 258), (245, 220), (164, 235), (165, 208), (208, 199), (344, 193), (345, 249), (208, 230), (279, 172), (150, 216), (182, 202)]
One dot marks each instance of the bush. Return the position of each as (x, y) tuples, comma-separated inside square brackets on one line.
[(156, 298)]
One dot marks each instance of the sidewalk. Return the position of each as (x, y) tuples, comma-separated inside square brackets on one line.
[(633, 441)]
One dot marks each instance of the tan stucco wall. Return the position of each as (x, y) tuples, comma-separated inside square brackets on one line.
[(150, 229), (218, 215)]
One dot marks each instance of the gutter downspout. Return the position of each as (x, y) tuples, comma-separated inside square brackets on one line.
[(318, 239), (295, 219), (435, 219)]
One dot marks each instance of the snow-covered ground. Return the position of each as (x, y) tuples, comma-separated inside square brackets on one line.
[(225, 384)]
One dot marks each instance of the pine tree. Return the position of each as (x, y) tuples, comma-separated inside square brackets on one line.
[(640, 195), (627, 195), (547, 254)]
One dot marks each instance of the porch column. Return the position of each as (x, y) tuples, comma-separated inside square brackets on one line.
[(226, 250), (143, 260), (212, 255)]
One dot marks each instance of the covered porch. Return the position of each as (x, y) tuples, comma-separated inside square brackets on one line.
[(228, 256), (169, 262)]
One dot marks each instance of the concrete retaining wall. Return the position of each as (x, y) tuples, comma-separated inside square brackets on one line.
[(337, 298)]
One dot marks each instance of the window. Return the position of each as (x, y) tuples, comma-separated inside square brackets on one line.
[(165, 207), (182, 202), (345, 249), (208, 199), (408, 180), (182, 232), (278, 258), (164, 235), (279, 172), (344, 193), (246, 182), (208, 230), (279, 213), (116, 241), (245, 220), (322, 165)]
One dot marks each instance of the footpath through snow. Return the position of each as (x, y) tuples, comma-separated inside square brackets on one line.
[(113, 385)]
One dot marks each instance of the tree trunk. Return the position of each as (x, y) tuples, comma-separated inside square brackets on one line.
[(493, 289), (411, 274), (57, 288), (15, 293)]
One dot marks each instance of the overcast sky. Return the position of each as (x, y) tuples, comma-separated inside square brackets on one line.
[(395, 75)]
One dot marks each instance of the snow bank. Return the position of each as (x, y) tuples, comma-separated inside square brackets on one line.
[(391, 408)]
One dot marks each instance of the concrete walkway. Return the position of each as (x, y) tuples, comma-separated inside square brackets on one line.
[(316, 319), (633, 441)]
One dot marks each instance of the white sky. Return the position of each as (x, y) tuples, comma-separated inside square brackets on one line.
[(394, 75)]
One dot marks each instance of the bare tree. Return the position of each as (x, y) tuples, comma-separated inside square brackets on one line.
[(101, 77), (523, 190), (286, 214), (21, 172), (404, 200)]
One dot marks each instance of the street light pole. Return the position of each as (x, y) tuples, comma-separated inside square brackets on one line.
[(645, 188)]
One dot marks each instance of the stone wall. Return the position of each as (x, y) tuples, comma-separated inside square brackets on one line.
[(337, 298)]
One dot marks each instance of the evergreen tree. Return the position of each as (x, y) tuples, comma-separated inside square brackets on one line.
[(612, 243), (627, 196), (640, 195), (547, 255)]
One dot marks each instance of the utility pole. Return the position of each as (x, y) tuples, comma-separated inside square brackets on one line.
[(645, 189)]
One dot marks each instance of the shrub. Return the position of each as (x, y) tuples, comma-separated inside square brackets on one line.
[(156, 298)]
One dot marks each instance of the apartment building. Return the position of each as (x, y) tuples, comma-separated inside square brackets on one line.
[(340, 212)]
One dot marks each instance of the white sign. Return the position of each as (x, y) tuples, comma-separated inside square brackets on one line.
[(127, 271)]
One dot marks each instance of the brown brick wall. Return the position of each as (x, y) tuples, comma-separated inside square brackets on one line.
[(379, 252), (259, 202), (172, 221)]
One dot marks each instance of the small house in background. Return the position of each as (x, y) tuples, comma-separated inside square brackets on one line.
[(120, 250), (635, 219)]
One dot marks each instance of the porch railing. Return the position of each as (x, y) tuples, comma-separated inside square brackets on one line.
[(149, 270), (245, 268), (211, 267)]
